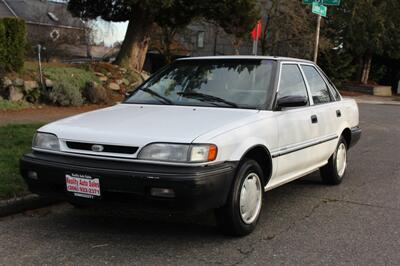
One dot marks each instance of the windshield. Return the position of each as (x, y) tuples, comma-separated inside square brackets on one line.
[(230, 83)]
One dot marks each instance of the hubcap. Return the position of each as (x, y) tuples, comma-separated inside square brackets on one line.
[(341, 159), (250, 198)]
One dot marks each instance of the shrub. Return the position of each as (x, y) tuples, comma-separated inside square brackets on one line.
[(69, 82), (66, 94), (2, 48), (12, 44)]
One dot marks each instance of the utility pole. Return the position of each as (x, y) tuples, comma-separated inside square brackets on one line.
[(316, 49)]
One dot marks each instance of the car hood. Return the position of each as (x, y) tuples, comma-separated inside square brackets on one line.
[(138, 125)]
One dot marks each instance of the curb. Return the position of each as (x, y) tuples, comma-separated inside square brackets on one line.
[(378, 102), (21, 204)]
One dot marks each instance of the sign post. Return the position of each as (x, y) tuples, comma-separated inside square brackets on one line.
[(319, 8), (256, 34)]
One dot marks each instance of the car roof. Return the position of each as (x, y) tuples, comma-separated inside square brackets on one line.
[(246, 57)]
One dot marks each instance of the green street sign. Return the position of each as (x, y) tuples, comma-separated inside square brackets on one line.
[(325, 2), (319, 9), (331, 2)]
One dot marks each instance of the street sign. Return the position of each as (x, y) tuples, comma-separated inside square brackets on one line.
[(325, 2), (331, 2), (319, 9)]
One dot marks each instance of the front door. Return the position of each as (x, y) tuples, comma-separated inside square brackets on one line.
[(297, 129)]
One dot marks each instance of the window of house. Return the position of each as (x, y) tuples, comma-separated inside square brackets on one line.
[(200, 39)]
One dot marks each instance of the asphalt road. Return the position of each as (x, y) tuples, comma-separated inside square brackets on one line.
[(303, 223)]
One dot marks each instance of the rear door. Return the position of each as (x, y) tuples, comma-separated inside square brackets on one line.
[(326, 109)]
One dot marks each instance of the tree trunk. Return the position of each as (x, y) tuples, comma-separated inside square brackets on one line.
[(136, 43), (366, 68), (167, 39), (236, 43)]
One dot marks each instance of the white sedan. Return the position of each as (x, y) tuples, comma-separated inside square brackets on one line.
[(202, 133)]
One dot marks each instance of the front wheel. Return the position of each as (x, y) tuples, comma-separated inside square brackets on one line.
[(334, 171), (242, 210)]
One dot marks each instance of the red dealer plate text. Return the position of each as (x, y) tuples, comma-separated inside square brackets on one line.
[(83, 187)]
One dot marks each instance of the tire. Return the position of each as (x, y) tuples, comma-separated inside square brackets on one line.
[(334, 172), (232, 218)]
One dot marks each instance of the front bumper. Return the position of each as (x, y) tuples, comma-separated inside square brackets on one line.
[(196, 188)]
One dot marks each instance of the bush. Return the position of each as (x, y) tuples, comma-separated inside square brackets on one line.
[(2, 49), (66, 94), (12, 44), (69, 82)]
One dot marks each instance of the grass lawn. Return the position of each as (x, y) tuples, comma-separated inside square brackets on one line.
[(14, 141), (7, 105)]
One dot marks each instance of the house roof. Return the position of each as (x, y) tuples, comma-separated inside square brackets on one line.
[(42, 12)]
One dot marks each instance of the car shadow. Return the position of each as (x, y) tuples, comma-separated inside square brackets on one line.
[(125, 225)]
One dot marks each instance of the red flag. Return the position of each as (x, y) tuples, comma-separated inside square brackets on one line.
[(256, 32)]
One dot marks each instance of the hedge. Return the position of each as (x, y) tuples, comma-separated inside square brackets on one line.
[(12, 44)]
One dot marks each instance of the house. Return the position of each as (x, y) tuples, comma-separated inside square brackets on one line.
[(50, 24)]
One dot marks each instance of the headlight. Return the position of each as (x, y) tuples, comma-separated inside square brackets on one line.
[(46, 141), (196, 153)]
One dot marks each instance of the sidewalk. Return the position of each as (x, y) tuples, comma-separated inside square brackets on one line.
[(371, 99), (44, 114)]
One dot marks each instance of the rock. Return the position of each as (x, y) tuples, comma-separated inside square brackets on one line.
[(99, 74), (114, 86), (18, 82), (15, 94), (145, 76), (103, 79), (49, 83), (6, 82), (95, 93), (134, 86), (30, 85), (126, 82)]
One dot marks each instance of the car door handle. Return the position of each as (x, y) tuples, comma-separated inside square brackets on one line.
[(338, 113), (314, 119)]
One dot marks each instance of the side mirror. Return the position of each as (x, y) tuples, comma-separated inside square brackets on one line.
[(292, 101)]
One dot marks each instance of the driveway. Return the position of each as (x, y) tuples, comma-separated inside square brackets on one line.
[(303, 223)]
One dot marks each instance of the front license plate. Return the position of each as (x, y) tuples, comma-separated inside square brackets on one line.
[(83, 186)]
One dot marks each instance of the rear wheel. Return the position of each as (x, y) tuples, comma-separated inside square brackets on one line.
[(334, 172), (242, 210)]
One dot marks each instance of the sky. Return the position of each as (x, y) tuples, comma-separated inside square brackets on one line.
[(108, 32)]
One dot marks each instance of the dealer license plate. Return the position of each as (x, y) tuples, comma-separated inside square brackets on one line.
[(83, 185)]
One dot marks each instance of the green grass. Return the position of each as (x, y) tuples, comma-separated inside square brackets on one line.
[(15, 141), (7, 105), (76, 77)]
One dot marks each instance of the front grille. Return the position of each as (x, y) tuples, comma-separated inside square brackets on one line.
[(107, 148)]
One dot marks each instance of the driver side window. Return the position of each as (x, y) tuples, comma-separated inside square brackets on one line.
[(292, 82)]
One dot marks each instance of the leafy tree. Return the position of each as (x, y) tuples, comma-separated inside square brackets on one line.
[(289, 29), (367, 28), (141, 15), (170, 22), (235, 17)]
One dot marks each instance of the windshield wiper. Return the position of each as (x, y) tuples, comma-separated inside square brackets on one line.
[(161, 98), (207, 98)]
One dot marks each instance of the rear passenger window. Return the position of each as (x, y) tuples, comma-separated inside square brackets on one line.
[(319, 89), (292, 82)]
